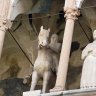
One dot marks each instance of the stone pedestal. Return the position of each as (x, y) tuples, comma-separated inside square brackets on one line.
[(77, 92), (32, 93)]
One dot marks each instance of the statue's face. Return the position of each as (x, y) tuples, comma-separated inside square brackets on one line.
[(94, 35), (54, 38), (43, 37)]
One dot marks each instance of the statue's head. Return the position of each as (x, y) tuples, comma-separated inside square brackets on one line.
[(94, 35), (54, 38), (43, 38)]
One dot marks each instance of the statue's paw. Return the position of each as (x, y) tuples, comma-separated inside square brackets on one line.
[(25, 81)]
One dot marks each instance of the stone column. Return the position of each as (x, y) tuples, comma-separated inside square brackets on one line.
[(2, 34), (4, 8), (71, 12)]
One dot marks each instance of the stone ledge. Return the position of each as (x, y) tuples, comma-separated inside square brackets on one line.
[(77, 92), (32, 93)]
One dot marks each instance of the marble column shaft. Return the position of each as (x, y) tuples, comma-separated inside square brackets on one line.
[(70, 13)]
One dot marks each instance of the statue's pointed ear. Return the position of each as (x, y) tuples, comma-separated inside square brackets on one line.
[(48, 29), (41, 28)]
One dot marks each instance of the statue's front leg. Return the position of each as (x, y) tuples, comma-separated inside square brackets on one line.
[(57, 64), (46, 78), (35, 78)]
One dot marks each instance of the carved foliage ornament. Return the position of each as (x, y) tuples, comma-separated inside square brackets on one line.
[(71, 13), (71, 8), (5, 24)]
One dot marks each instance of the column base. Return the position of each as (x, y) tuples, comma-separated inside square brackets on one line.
[(57, 88)]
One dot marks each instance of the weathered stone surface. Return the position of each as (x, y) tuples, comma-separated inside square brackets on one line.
[(12, 87), (14, 62)]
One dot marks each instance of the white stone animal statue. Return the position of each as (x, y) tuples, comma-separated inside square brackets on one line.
[(46, 61), (54, 44), (88, 77)]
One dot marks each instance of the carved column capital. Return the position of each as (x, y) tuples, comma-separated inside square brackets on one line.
[(5, 24), (71, 13)]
